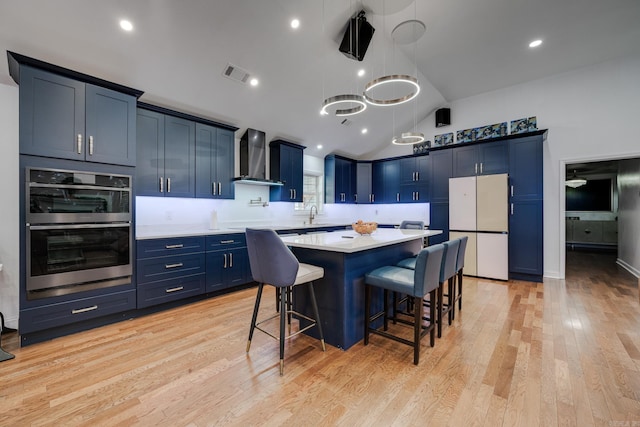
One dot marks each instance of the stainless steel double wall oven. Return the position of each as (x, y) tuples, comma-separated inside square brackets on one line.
[(78, 231)]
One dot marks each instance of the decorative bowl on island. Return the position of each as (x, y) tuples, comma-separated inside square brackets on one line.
[(364, 228)]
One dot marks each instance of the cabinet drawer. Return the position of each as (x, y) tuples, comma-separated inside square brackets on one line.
[(173, 246), (587, 231), (64, 313), (170, 267), (170, 290), (223, 241)]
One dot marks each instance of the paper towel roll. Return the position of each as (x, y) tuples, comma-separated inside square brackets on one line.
[(213, 223)]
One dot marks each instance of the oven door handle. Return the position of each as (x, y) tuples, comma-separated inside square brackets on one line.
[(78, 226)]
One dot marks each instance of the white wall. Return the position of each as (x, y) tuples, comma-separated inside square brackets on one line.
[(628, 217), (591, 114), (9, 215)]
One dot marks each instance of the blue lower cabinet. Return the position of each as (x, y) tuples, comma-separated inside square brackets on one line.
[(169, 267), (74, 311), (525, 241), (227, 268), (170, 290)]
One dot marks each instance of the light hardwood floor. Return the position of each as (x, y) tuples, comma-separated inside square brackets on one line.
[(553, 354)]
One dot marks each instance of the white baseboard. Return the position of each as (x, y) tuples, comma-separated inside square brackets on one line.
[(628, 267)]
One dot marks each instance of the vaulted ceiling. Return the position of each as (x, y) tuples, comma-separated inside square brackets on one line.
[(178, 50)]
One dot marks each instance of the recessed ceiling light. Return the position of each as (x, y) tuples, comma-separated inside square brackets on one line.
[(364, 130), (295, 23), (319, 146), (361, 72), (254, 82), (535, 43), (126, 25)]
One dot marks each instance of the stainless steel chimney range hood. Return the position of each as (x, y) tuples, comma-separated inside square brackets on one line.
[(253, 159)]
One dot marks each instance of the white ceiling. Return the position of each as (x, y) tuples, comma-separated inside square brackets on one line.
[(178, 50)]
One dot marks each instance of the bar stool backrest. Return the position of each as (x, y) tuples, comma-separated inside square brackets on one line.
[(412, 225), (461, 250), (271, 261), (448, 268), (427, 271)]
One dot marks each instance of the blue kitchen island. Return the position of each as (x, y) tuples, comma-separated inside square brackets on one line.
[(346, 257)]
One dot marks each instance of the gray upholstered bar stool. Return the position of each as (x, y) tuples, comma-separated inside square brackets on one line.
[(274, 264), (447, 274), (417, 283)]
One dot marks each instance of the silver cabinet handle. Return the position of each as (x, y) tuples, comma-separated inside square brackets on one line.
[(177, 246), (162, 184), (417, 195), (512, 191), (230, 260), (370, 198), (219, 188), (481, 163), (79, 143), (176, 289), (90, 145), (356, 197), (168, 185), (397, 197), (213, 188), (224, 242), (511, 208), (476, 168), (225, 261), (418, 176), (176, 265), (84, 310), (373, 198)]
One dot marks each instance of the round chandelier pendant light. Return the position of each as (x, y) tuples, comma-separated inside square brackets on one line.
[(408, 138), (410, 81), (355, 105)]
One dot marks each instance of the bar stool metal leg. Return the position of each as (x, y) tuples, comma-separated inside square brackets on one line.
[(254, 318), (314, 305), (283, 315)]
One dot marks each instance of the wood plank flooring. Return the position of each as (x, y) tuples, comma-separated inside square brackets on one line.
[(562, 353)]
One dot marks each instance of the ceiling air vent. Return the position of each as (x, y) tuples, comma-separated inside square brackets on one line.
[(236, 73), (346, 122)]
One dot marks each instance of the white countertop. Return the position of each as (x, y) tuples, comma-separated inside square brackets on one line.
[(348, 241)]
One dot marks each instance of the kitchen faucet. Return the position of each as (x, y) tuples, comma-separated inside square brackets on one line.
[(311, 215)]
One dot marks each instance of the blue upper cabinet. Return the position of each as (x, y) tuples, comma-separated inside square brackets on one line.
[(386, 181), (286, 165), (166, 149), (364, 194), (441, 167), (214, 162), (414, 179), (481, 159), (340, 179), (65, 118), (525, 168)]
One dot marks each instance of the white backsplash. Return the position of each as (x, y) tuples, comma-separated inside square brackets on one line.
[(240, 212)]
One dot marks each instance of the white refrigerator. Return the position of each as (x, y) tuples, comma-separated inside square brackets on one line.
[(479, 208)]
